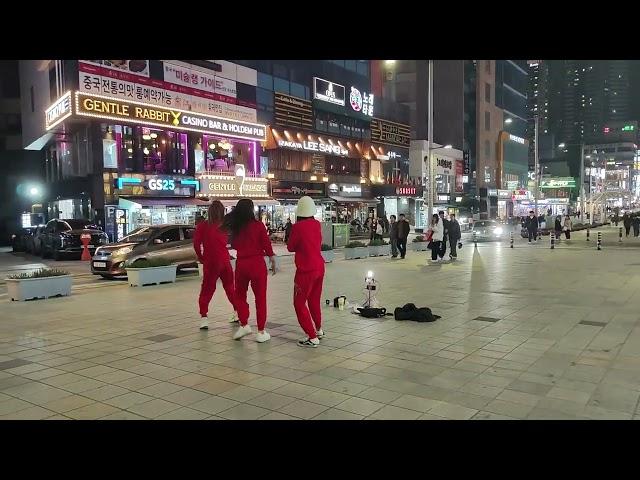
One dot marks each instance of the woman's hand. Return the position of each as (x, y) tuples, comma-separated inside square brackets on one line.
[(272, 261)]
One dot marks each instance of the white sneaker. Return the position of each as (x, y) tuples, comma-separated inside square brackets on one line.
[(309, 342), (263, 336), (234, 318), (320, 333), (204, 323), (241, 332)]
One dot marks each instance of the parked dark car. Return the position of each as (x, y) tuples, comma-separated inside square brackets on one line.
[(33, 241), (170, 242), (61, 237), (20, 239)]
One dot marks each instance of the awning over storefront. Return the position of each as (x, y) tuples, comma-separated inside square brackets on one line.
[(163, 202), (368, 201)]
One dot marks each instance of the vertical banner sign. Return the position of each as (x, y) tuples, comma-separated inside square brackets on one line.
[(459, 174), (467, 162)]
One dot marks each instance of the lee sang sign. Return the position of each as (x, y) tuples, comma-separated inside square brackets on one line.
[(314, 147)]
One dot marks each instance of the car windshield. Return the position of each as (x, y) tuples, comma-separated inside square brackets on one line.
[(485, 224), (139, 235), (81, 224)]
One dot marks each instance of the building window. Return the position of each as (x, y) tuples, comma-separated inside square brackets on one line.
[(350, 65), (297, 90), (487, 149), (280, 85), (487, 120), (265, 81), (487, 92)]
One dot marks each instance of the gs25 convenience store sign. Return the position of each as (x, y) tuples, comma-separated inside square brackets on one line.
[(96, 106)]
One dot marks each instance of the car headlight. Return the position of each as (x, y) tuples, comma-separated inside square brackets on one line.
[(122, 251), (498, 231)]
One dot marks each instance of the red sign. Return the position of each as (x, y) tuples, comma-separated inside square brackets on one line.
[(459, 174), (85, 238), (406, 191)]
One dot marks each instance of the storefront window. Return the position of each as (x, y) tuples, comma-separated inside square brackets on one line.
[(342, 166), (215, 154)]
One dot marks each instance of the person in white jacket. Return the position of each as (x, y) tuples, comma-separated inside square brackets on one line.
[(437, 234)]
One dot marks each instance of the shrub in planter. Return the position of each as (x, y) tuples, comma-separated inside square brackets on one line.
[(152, 271), (379, 248), (355, 250), (43, 283), (327, 253), (419, 244)]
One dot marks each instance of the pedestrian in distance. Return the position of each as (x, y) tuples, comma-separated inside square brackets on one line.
[(626, 220), (287, 230), (635, 222), (210, 244), (403, 235), (445, 224), (250, 240), (374, 228), (393, 236), (567, 226), (437, 234), (454, 236), (558, 227), (379, 230), (532, 226), (305, 241)]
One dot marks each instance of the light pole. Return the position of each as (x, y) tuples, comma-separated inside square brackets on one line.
[(430, 139), (537, 166)]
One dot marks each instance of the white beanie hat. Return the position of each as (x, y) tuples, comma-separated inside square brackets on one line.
[(306, 207)]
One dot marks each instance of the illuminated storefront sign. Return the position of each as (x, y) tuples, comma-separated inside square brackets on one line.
[(361, 102), (504, 194), (315, 147), (232, 186), (513, 138), (558, 182), (328, 91), (157, 185), (134, 112), (443, 166), (58, 112), (383, 131)]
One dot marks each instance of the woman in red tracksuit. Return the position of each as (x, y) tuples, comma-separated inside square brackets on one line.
[(210, 244), (252, 244), (305, 240)]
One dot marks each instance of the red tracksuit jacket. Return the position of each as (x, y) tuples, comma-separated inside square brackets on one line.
[(305, 240), (213, 242), (253, 241)]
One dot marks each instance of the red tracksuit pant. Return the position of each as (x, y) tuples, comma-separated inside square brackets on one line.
[(251, 270), (210, 276), (307, 290)]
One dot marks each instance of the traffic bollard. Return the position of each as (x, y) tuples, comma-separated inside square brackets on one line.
[(475, 239), (588, 239), (511, 239), (552, 240), (620, 235), (599, 240)]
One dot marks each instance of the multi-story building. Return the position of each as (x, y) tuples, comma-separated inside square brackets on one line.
[(138, 142)]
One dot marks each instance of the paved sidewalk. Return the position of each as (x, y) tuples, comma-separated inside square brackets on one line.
[(525, 333)]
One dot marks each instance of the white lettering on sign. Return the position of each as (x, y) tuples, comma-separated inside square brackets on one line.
[(513, 138), (405, 190), (314, 147), (328, 91), (162, 184), (351, 189), (57, 112)]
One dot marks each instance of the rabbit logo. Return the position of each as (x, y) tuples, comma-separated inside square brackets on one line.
[(240, 175)]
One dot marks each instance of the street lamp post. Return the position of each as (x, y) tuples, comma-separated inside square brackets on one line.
[(537, 166), (430, 139)]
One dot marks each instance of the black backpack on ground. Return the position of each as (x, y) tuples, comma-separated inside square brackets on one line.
[(411, 312), (369, 312)]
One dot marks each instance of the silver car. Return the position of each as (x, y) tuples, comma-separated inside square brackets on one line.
[(488, 230), (171, 242)]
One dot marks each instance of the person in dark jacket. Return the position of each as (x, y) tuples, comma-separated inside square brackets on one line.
[(532, 226), (287, 230), (626, 220), (403, 234), (393, 236), (454, 236), (558, 227), (636, 225), (443, 244)]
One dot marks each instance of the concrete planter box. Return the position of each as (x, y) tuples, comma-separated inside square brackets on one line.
[(419, 246), (379, 251), (139, 277), (45, 287), (358, 252), (328, 256)]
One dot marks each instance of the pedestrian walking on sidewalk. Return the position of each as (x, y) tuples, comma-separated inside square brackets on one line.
[(567, 226), (532, 226), (445, 235), (636, 225), (436, 231), (403, 235), (558, 227), (250, 240), (626, 220), (305, 241), (393, 236), (454, 236), (210, 244), (287, 230)]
